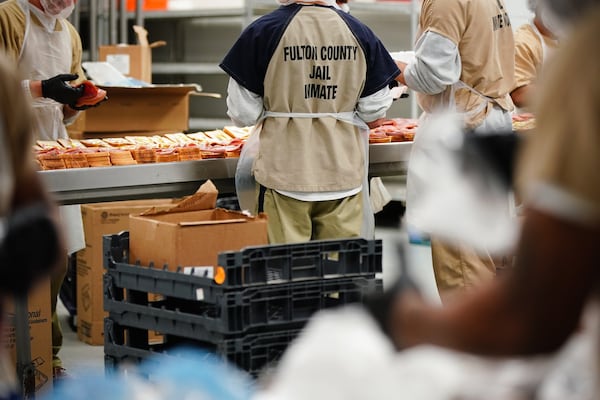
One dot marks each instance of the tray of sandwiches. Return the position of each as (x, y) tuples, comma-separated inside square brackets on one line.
[(523, 122), (394, 130), (130, 149)]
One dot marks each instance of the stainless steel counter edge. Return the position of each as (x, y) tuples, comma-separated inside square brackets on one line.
[(175, 179)]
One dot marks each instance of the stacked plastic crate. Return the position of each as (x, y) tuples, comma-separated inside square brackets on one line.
[(263, 298)]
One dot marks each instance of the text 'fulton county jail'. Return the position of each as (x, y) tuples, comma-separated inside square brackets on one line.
[(320, 72)]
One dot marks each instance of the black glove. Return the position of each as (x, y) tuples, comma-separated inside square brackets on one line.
[(29, 248), (380, 305), (58, 89)]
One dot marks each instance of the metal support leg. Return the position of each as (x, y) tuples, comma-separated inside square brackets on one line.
[(25, 367)]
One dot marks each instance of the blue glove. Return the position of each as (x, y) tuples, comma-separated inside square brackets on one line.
[(57, 88)]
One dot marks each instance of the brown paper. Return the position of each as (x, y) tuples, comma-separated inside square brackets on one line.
[(205, 198)]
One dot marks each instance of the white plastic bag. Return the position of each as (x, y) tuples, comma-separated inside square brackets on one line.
[(245, 184), (448, 201), (378, 195)]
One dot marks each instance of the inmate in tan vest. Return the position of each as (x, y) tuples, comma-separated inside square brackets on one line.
[(318, 67), (529, 54), (482, 31)]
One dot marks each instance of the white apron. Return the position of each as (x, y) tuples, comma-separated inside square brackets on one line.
[(435, 153), (545, 49), (44, 55), (245, 183)]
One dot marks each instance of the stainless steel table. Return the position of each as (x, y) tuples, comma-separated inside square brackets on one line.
[(176, 179)]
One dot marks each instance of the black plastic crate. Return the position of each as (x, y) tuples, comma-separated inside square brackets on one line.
[(275, 264), (234, 312), (229, 203), (293, 262), (252, 353), (256, 353)]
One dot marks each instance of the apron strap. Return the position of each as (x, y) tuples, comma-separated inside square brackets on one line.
[(541, 37), (462, 85), (25, 8)]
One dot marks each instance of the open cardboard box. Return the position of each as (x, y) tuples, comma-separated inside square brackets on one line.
[(132, 60), (193, 232), (139, 109), (134, 105)]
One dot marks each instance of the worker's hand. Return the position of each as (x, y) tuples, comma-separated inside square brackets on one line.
[(57, 88), (29, 248)]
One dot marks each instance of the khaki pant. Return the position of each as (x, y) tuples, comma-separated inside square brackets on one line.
[(458, 268), (56, 281), (295, 221)]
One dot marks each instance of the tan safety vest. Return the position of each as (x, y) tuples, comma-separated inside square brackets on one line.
[(318, 68), (487, 55)]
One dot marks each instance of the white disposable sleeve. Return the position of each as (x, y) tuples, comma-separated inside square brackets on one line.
[(243, 106), (437, 64), (26, 88), (375, 106)]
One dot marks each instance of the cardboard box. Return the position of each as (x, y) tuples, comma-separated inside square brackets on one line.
[(132, 60), (192, 233), (100, 219), (139, 109), (101, 135), (40, 332)]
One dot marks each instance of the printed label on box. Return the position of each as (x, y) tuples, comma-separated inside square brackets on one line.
[(121, 62)]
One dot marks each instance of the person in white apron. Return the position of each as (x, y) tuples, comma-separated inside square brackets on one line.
[(48, 57), (309, 94), (534, 44), (453, 71)]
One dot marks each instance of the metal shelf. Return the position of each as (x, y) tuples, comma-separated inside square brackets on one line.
[(192, 13), (186, 68), (402, 7), (176, 179), (207, 124)]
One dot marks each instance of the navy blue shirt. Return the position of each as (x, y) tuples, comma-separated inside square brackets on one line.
[(248, 59)]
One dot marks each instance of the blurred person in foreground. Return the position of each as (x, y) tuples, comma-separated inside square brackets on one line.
[(311, 77), (535, 42), (30, 247), (463, 63), (538, 306), (47, 48)]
